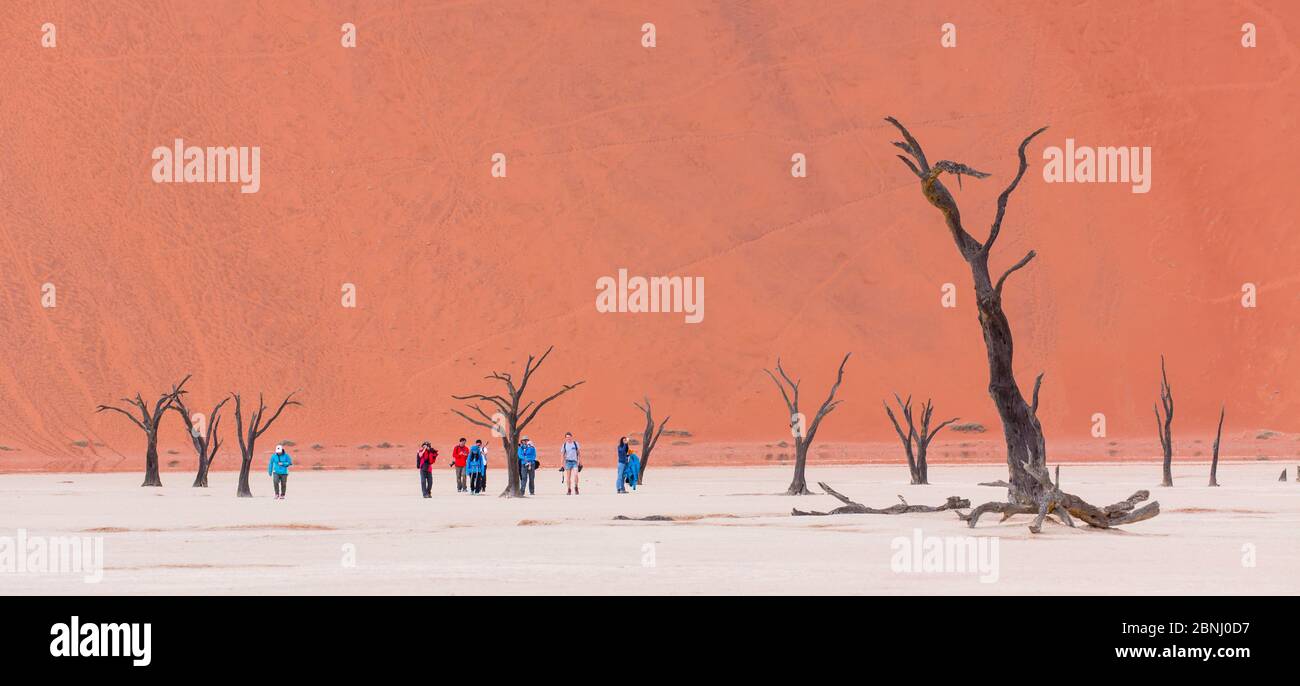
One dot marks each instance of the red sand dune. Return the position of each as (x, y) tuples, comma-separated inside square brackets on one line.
[(673, 160)]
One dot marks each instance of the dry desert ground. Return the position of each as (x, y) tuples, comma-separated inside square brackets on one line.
[(370, 532)]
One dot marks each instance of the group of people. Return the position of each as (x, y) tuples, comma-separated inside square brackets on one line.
[(470, 464)]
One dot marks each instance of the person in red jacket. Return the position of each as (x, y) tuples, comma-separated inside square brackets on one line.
[(424, 460), (459, 455)]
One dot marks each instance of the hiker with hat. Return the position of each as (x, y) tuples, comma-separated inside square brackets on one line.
[(476, 467), (527, 465), (278, 469)]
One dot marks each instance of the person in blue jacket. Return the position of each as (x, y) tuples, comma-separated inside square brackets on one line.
[(633, 471), (476, 467), (278, 468), (527, 466)]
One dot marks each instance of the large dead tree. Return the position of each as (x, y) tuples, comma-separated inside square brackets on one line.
[(206, 440), (512, 414), (851, 507), (250, 432), (1164, 425), (649, 437), (916, 443), (802, 430), (148, 421), (1214, 461), (1026, 447)]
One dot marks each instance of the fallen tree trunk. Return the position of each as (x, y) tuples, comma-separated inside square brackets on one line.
[(1067, 506), (851, 507)]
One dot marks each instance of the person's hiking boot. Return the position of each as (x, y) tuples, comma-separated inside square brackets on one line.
[(575, 490)]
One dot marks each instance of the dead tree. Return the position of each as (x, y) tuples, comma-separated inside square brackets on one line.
[(148, 422), (1214, 461), (1163, 425), (916, 443), (803, 431), (649, 437), (206, 443), (1026, 447), (250, 432), (512, 415), (850, 507), (1066, 506)]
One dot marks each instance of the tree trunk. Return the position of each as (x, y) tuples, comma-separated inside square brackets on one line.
[(245, 466), (151, 476), (513, 483), (1214, 461), (201, 478), (1024, 435), (1163, 425), (799, 485), (922, 475)]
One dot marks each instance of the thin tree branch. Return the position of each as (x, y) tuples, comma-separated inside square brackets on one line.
[(132, 417), (553, 396), (1023, 261), (471, 420), (1002, 199)]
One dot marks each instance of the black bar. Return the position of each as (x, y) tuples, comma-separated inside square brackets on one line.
[(296, 636)]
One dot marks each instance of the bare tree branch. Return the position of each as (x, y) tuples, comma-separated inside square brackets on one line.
[(471, 420), (1002, 199), (568, 387), (1038, 383), (132, 417), (1023, 261)]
